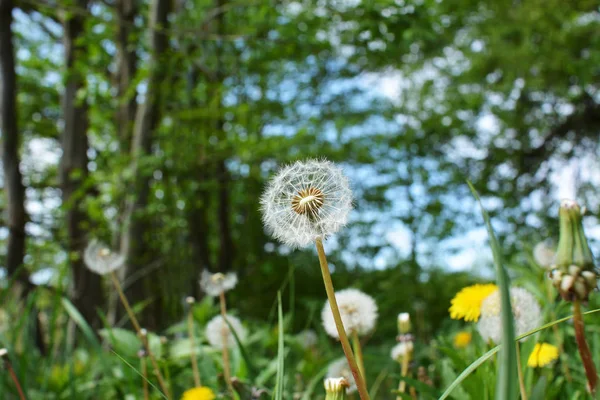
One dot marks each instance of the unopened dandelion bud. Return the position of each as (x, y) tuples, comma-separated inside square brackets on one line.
[(335, 388), (573, 256), (591, 278), (403, 323)]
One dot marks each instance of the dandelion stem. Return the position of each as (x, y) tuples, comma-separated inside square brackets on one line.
[(13, 376), (584, 350), (138, 329), (557, 337), (190, 322), (145, 380), (359, 356), (403, 373), (225, 352), (520, 372), (360, 384)]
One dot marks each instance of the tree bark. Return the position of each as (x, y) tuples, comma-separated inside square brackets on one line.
[(13, 185), (134, 243), (87, 289)]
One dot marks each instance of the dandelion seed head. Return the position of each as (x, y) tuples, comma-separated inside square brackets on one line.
[(100, 259), (401, 349), (306, 200), (544, 255), (526, 311), (336, 385), (215, 284), (217, 329), (340, 369), (358, 311)]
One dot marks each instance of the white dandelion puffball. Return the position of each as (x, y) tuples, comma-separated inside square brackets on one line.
[(526, 310), (100, 259), (215, 284), (307, 339), (401, 349), (358, 311), (340, 369), (305, 201), (217, 330), (543, 254)]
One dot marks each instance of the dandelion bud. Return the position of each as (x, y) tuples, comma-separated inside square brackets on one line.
[(335, 388), (3, 353), (190, 300), (403, 323), (143, 332), (575, 276)]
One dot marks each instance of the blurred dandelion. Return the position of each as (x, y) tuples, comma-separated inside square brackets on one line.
[(358, 311), (219, 334), (543, 354), (100, 259), (215, 284), (340, 369), (305, 201), (199, 393), (462, 339), (401, 350), (335, 388), (544, 254), (467, 303), (526, 311), (307, 339)]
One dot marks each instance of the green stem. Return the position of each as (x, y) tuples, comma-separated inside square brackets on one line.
[(138, 329), (145, 379), (520, 372), (403, 373), (359, 356), (584, 350), (360, 384), (225, 352), (190, 321)]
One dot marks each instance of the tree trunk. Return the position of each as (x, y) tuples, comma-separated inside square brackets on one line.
[(13, 186), (87, 289), (135, 237), (126, 70)]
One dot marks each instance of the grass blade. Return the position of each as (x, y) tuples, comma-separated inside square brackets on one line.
[(506, 382), (278, 394)]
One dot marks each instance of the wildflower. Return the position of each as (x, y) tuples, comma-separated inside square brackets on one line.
[(307, 338), (402, 349), (358, 311), (217, 328), (543, 255), (305, 201), (527, 314), (462, 339), (403, 323), (335, 388), (340, 369), (575, 275), (198, 393), (100, 259), (215, 284), (467, 303), (542, 355)]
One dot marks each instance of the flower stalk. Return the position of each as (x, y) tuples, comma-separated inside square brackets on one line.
[(584, 350), (11, 372), (520, 373), (142, 355), (359, 355), (143, 337), (190, 324), (360, 383), (225, 352)]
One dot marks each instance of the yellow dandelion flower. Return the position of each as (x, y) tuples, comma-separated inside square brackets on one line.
[(542, 355), (198, 393), (467, 303), (462, 339)]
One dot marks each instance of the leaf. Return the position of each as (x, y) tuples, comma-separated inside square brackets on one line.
[(278, 394), (539, 390), (76, 316), (507, 381)]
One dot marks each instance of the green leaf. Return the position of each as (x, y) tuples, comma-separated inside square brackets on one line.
[(539, 390), (507, 381), (76, 316)]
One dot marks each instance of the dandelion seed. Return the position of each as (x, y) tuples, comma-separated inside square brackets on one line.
[(215, 284), (544, 255), (467, 303), (401, 349), (340, 369), (358, 311), (306, 200), (199, 393), (100, 259), (543, 354), (526, 311), (217, 328), (462, 339)]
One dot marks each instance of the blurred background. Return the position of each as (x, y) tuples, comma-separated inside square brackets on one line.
[(153, 126)]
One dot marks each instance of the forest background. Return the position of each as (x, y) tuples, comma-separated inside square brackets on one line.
[(153, 126)]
